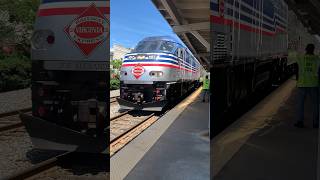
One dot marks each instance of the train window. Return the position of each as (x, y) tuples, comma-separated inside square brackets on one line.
[(188, 58), (146, 46), (140, 47), (268, 8), (180, 53), (167, 46), (153, 45), (176, 53)]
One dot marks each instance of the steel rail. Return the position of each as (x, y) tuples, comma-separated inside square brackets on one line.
[(38, 168), (14, 124), (11, 113), (131, 128)]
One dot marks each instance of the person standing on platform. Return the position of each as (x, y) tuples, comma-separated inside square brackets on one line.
[(205, 88), (201, 80), (308, 85)]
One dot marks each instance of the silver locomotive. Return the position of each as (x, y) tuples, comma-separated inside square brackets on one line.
[(156, 72), (69, 76)]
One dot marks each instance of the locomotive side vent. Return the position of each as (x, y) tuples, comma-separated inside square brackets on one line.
[(219, 48)]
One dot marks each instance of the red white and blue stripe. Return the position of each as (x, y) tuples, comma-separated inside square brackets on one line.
[(162, 60), (70, 7), (251, 15)]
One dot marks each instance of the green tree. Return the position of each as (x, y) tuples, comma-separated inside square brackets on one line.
[(15, 72), (116, 64), (114, 84), (16, 22), (7, 29), (23, 11), (114, 73)]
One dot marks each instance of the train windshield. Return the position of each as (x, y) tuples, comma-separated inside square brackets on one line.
[(154, 46)]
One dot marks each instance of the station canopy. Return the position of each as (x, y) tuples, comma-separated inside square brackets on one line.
[(308, 12), (190, 20)]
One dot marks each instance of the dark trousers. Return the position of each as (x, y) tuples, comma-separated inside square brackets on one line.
[(313, 93), (205, 92)]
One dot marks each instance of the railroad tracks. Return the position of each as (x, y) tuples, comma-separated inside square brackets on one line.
[(123, 128), (39, 168), (11, 120), (127, 126), (113, 99)]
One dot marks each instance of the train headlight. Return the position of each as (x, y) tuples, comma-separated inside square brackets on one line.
[(123, 73), (156, 73), (42, 39)]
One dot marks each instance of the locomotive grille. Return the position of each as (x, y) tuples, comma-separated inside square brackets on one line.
[(219, 48)]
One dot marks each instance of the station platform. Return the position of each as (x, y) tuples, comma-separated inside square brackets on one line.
[(264, 144), (114, 93), (175, 147)]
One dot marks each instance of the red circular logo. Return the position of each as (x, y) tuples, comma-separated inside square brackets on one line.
[(89, 29), (137, 71)]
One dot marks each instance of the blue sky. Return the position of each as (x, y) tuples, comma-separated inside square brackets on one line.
[(132, 20)]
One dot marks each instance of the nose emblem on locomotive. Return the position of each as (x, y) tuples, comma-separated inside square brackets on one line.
[(89, 30), (137, 71)]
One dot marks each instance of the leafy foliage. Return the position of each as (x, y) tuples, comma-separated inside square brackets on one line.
[(114, 84), (116, 64), (15, 72), (16, 23), (7, 29), (114, 73), (23, 11)]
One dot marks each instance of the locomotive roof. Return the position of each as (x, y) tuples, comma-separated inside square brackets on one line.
[(160, 38), (191, 22), (167, 38)]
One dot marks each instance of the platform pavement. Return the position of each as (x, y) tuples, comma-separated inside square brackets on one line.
[(174, 147), (15, 100), (182, 152), (114, 93), (274, 149)]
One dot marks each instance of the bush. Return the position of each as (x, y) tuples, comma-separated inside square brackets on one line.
[(15, 72), (114, 84), (116, 64)]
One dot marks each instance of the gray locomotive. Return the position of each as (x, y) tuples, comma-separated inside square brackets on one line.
[(249, 49), (69, 76), (157, 71)]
